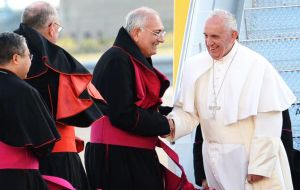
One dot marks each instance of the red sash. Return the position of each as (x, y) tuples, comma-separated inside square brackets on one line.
[(67, 141)]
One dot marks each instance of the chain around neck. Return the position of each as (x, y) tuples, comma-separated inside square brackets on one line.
[(230, 63)]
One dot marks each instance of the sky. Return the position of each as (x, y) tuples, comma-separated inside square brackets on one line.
[(21, 4)]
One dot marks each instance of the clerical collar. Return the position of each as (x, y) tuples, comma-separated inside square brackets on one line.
[(229, 55)]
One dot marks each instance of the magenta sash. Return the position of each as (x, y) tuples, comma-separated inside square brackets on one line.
[(56, 183), (104, 132), (17, 158), (12, 157)]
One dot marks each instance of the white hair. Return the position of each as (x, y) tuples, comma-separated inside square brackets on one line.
[(229, 18), (138, 17), (38, 14)]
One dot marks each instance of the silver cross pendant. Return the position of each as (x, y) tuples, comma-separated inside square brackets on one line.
[(213, 107)]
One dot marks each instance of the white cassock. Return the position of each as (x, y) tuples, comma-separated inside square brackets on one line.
[(244, 136)]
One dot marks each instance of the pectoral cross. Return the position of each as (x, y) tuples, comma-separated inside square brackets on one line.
[(213, 107)]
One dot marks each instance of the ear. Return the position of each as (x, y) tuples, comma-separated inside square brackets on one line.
[(135, 33), (15, 59), (235, 35), (51, 30)]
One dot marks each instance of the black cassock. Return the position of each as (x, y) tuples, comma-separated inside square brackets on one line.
[(25, 122)]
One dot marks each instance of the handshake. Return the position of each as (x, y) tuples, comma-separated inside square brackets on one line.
[(171, 135)]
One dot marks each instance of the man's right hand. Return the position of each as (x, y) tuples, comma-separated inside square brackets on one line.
[(252, 178), (171, 135)]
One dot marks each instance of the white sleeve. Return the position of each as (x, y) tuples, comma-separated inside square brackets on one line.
[(265, 143), (185, 122), (268, 124)]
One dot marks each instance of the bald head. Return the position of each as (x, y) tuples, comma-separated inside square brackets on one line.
[(43, 17), (138, 17), (39, 15)]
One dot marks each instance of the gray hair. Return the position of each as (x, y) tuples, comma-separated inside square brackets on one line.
[(39, 14), (229, 18), (138, 17), (11, 43)]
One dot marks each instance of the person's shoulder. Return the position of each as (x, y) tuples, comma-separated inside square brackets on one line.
[(19, 87), (115, 53), (254, 59), (113, 58), (27, 88)]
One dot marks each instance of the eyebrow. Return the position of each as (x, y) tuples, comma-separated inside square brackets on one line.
[(159, 29)]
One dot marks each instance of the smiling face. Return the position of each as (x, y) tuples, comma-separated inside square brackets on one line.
[(219, 38), (147, 38)]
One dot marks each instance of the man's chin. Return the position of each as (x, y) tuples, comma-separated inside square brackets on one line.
[(214, 56), (153, 52)]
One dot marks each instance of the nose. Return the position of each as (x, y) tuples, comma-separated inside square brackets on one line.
[(161, 36), (209, 42), (161, 39)]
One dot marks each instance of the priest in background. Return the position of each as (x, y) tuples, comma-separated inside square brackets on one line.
[(65, 86), (27, 130)]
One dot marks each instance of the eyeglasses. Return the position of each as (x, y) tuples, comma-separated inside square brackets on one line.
[(159, 34), (59, 29), (30, 56)]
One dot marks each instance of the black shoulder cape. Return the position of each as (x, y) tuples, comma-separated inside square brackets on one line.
[(25, 120), (63, 82), (132, 88)]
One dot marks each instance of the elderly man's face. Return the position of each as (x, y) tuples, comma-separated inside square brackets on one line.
[(219, 38), (53, 30), (150, 36)]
